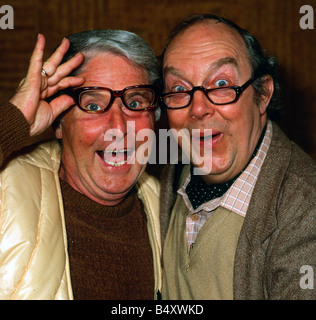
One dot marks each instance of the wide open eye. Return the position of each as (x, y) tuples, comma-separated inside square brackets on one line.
[(94, 100), (179, 89), (93, 107), (134, 104), (139, 98), (221, 83)]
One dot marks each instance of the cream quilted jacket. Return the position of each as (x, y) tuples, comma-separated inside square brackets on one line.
[(34, 261)]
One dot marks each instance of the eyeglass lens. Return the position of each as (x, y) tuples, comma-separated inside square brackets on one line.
[(217, 96)]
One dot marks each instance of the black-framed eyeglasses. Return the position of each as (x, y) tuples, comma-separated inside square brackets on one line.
[(100, 99), (218, 96)]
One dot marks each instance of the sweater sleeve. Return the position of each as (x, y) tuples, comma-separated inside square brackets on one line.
[(14, 130)]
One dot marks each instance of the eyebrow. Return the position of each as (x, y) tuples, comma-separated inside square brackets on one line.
[(213, 67), (224, 61)]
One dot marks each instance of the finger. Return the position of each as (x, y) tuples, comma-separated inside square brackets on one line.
[(61, 104), (65, 69), (28, 91), (63, 84), (36, 60), (55, 59)]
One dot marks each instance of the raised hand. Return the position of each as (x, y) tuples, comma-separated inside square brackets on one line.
[(42, 81)]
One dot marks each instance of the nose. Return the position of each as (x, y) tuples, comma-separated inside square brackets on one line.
[(116, 121), (201, 107)]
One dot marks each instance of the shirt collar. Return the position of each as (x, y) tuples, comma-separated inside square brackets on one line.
[(234, 195)]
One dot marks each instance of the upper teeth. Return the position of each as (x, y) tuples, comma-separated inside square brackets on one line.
[(116, 151), (117, 164)]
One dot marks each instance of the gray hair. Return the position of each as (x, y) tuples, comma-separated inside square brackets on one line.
[(118, 42)]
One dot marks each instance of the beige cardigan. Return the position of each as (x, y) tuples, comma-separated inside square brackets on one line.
[(34, 261)]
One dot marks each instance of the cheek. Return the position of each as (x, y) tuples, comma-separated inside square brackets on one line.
[(79, 135), (241, 114), (145, 138), (242, 125), (144, 123), (177, 118), (89, 135), (84, 126)]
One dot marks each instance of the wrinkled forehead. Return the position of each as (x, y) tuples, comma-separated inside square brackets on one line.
[(113, 71)]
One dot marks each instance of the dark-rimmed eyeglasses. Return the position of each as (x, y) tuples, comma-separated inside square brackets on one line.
[(100, 99), (218, 96)]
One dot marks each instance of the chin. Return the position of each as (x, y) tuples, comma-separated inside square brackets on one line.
[(120, 183)]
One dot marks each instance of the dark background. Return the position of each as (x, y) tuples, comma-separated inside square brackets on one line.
[(274, 22)]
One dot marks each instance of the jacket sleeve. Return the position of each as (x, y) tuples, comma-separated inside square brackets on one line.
[(14, 130), (292, 256)]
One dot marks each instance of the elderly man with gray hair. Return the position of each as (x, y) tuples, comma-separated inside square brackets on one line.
[(79, 220)]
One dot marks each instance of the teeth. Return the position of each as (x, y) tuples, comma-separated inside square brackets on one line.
[(114, 153), (115, 164)]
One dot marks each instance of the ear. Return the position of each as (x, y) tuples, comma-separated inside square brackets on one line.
[(268, 89)]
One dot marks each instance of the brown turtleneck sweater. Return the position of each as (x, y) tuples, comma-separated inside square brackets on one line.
[(109, 250)]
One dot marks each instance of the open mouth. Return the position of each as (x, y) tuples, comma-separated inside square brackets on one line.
[(115, 158), (207, 135), (211, 136)]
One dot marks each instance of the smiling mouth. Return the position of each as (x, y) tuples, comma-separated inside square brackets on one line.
[(115, 158)]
